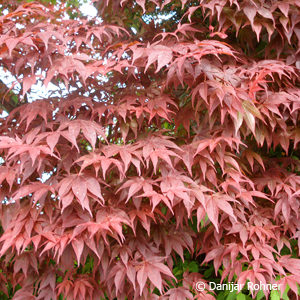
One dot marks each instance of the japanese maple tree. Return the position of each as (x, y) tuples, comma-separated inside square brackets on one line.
[(168, 144)]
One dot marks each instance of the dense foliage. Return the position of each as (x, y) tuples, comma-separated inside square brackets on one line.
[(167, 153)]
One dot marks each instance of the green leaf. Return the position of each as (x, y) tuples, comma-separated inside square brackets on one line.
[(232, 295), (15, 99), (193, 267), (208, 273), (275, 295), (285, 294), (241, 296), (177, 272), (164, 210), (260, 295)]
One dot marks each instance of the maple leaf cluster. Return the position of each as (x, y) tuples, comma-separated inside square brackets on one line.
[(178, 137)]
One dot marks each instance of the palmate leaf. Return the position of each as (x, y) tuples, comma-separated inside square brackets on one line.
[(167, 144)]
